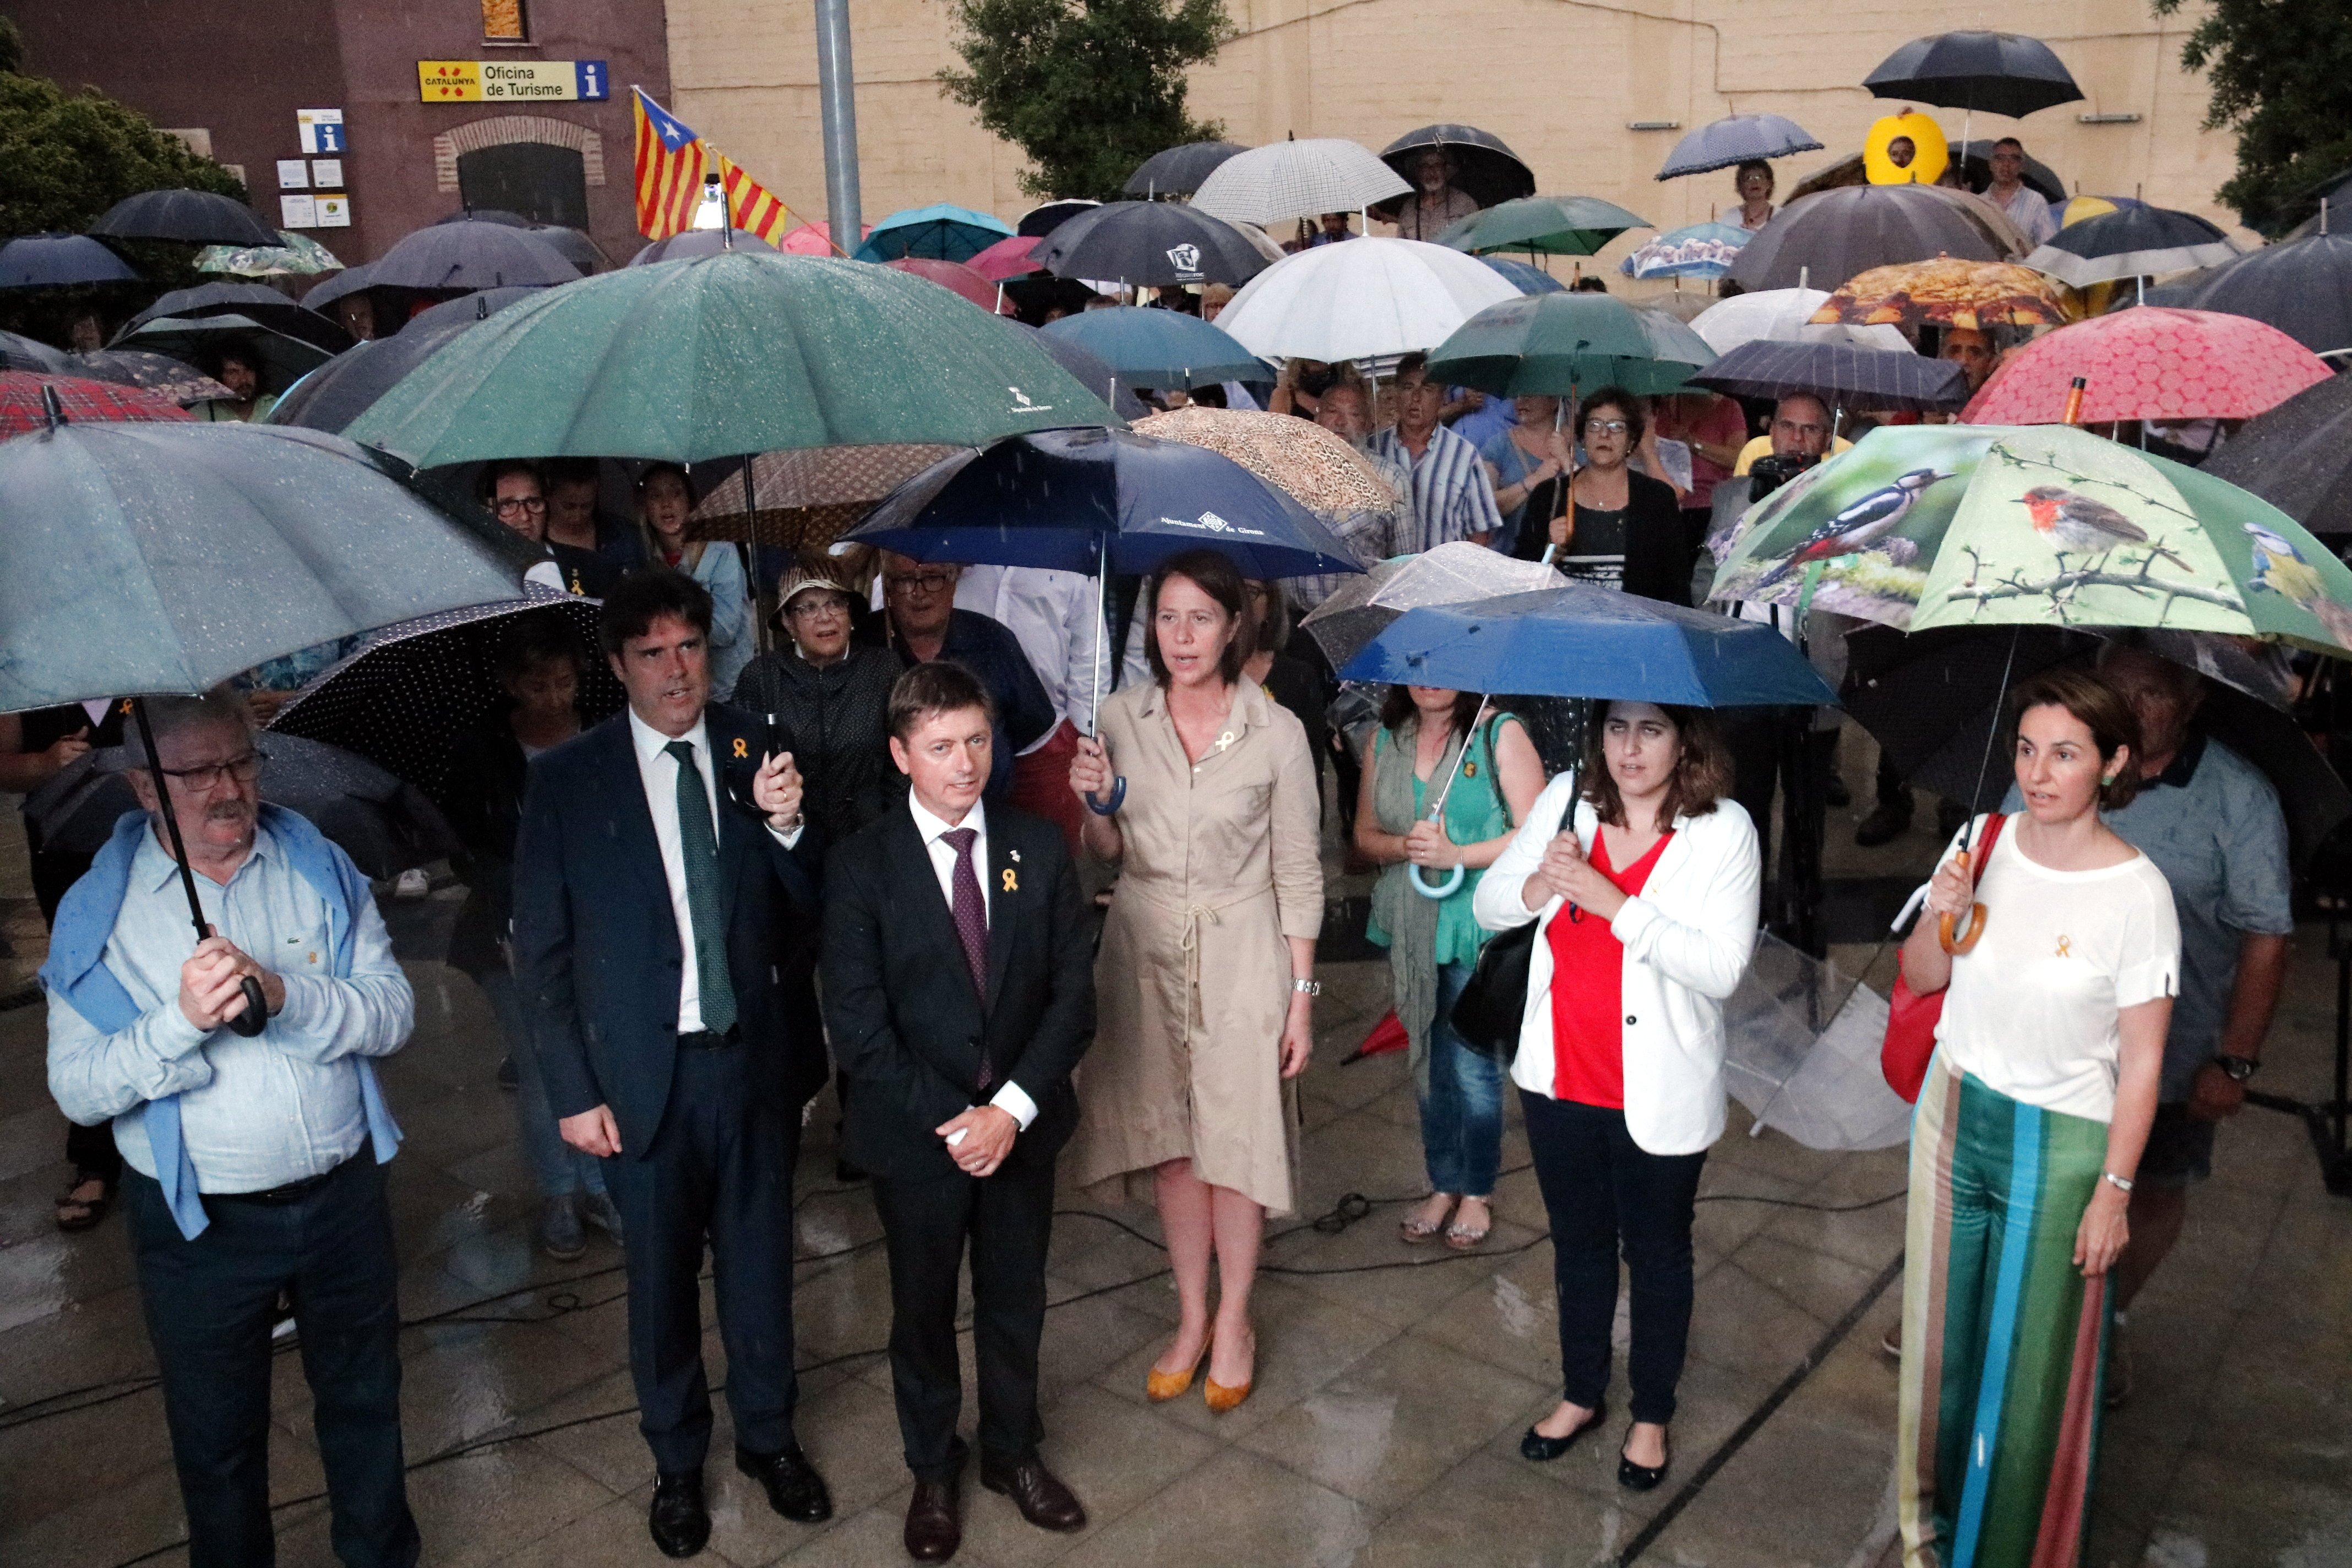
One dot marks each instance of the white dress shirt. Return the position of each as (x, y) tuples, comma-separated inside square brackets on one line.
[(659, 770), (1052, 615), (1009, 1097), (2030, 210)]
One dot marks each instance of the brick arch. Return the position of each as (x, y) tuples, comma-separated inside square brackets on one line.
[(500, 129)]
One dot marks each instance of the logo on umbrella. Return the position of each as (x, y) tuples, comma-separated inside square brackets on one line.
[(1215, 524), (1022, 398), (1185, 257)]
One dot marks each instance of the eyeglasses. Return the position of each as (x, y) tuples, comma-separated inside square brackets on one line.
[(204, 779), (1606, 426), (507, 504), (815, 608), (920, 581)]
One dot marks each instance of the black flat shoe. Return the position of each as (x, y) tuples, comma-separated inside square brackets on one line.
[(678, 1521), (1636, 1477), (1543, 1450), (794, 1489)]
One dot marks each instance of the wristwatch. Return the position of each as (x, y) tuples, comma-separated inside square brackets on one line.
[(2240, 1068), (1307, 987)]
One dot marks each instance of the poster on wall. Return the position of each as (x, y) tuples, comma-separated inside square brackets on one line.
[(334, 212), (298, 212)]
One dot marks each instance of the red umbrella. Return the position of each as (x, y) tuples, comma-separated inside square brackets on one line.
[(1008, 258), (2149, 362), (957, 278), (812, 240), (23, 406)]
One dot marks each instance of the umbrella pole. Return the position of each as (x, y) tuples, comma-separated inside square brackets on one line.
[(1437, 813), (1948, 933), (760, 637), (1094, 684), (256, 1016)]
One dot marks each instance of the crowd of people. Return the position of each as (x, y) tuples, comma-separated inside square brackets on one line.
[(1036, 908)]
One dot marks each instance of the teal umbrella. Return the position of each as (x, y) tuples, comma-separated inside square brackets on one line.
[(721, 356), (942, 231), (1551, 226), (1560, 344)]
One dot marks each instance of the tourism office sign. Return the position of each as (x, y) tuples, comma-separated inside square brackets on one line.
[(513, 81)]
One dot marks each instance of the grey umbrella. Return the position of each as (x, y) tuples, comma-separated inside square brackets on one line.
[(18, 351), (1728, 143), (254, 302), (282, 360), (469, 254), (191, 218), (1179, 171), (2302, 287), (350, 281), (60, 261), (2297, 456), (465, 310), (573, 245), (1820, 241), (1853, 378), (1484, 164), (347, 386)]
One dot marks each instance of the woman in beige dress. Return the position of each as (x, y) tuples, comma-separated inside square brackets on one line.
[(1204, 985)]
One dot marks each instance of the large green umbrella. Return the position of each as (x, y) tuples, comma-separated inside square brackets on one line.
[(1552, 226), (2036, 525), (720, 356), (1560, 345)]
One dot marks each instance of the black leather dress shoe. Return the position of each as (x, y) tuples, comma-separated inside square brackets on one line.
[(1636, 1477), (678, 1521), (794, 1489), (933, 1531), (1043, 1500), (1543, 1450)]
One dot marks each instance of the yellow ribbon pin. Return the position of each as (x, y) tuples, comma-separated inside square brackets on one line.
[(1469, 770), (2065, 946), (740, 749), (1011, 883)]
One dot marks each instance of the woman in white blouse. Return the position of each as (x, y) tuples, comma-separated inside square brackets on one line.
[(1645, 881), (2029, 1130)]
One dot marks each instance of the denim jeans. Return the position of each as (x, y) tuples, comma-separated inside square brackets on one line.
[(560, 1169), (1461, 1112)]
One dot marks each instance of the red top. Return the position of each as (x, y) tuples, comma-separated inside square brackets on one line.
[(1588, 976)]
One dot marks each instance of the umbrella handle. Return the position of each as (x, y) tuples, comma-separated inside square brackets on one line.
[(256, 1016), (1444, 890), (1118, 798), (1954, 940)]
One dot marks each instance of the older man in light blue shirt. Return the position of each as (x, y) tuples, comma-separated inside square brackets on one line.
[(255, 1163)]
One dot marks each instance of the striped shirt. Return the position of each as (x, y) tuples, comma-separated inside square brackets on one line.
[(1452, 498)]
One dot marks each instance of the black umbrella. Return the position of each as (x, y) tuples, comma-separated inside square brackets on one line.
[(574, 247), (2298, 456), (466, 309), (2132, 242), (192, 217), (2302, 287), (1821, 240), (469, 254), (60, 261), (1091, 369), (2001, 73), (281, 360), (1039, 222), (688, 242), (487, 214), (1839, 373), (1179, 171), (254, 302), (1975, 159), (350, 281), (347, 386), (1484, 166), (1150, 245), (408, 691), (1738, 139), (18, 351)]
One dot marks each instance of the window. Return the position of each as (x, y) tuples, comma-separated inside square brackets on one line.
[(543, 183), (503, 22)]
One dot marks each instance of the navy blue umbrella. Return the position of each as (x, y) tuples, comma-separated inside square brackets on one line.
[(1150, 347), (1527, 280), (59, 261), (1726, 144), (1096, 501), (1838, 373), (1580, 641)]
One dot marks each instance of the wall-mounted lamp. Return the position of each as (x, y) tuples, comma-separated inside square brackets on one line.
[(2124, 116), (1654, 125)]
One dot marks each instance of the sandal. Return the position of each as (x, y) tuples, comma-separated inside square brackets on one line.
[(75, 1214), (1413, 1230), (1465, 1239)]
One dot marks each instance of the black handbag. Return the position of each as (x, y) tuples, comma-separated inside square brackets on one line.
[(1486, 1015)]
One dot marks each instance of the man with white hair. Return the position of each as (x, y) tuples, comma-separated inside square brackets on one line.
[(255, 1160)]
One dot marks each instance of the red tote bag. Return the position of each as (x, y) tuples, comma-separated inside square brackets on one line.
[(1911, 1019)]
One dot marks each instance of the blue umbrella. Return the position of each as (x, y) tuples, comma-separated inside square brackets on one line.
[(1096, 501), (59, 260), (942, 231), (1699, 250), (1150, 347), (1580, 641), (1527, 280), (1735, 141)]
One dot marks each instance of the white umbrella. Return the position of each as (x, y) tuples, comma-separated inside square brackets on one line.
[(1297, 179), (1361, 298), (1781, 316), (1802, 1052)]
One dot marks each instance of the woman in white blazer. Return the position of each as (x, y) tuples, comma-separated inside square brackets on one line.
[(1648, 912)]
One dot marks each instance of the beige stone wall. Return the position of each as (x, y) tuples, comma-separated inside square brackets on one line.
[(1557, 80)]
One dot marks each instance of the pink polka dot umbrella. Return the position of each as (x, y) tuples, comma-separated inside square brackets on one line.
[(2150, 363)]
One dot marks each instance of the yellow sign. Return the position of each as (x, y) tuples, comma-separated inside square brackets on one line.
[(512, 81), (1904, 149)]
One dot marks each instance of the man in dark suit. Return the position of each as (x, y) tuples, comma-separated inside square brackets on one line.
[(959, 987), (659, 856)]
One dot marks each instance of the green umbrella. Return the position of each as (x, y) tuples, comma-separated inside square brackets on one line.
[(2036, 525), (1552, 226), (1563, 343), (745, 350), (295, 256)]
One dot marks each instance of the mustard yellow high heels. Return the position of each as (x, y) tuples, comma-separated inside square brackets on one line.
[(1159, 1387)]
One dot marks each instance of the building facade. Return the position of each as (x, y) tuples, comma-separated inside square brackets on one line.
[(1592, 95), (359, 121)]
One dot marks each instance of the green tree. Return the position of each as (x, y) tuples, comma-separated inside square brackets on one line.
[(1087, 89), (66, 157), (2281, 78)]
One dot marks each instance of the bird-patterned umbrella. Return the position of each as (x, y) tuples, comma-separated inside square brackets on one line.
[(2036, 525)]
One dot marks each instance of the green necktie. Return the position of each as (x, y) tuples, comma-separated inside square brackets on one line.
[(700, 849)]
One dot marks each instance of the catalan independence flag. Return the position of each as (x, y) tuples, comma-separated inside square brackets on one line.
[(672, 162)]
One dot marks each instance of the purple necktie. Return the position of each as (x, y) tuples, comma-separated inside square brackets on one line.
[(970, 920)]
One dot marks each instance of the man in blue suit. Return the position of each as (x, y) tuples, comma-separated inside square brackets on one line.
[(659, 856)]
